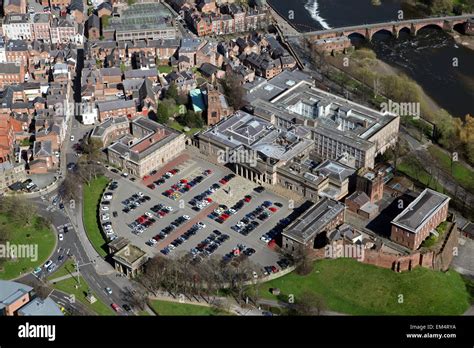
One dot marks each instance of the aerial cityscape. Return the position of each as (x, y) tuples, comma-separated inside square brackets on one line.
[(236, 158)]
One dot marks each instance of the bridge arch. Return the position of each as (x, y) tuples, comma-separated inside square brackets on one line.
[(355, 35), (460, 27), (404, 30), (428, 25), (381, 30)]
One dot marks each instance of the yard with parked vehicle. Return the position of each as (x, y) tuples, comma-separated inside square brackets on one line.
[(351, 287)]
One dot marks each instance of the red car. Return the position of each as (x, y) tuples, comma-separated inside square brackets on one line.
[(116, 307), (223, 181), (274, 269), (272, 209), (175, 187), (183, 181), (161, 213), (248, 198), (152, 186), (146, 177), (209, 199), (224, 216), (173, 171)]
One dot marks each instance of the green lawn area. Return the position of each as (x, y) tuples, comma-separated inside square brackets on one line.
[(165, 69), (421, 175), (43, 240), (66, 268), (92, 196), (179, 127), (462, 174), (349, 286), (68, 286), (176, 308), (143, 314)]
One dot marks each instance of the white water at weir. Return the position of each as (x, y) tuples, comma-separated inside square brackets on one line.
[(312, 7)]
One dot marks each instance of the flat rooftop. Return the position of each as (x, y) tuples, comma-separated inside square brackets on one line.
[(243, 129), (314, 220), (418, 212), (129, 254), (347, 122), (264, 89)]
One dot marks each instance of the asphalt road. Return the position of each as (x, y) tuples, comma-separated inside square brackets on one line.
[(71, 245)]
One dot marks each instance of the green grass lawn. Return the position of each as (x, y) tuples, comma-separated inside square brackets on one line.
[(165, 69), (44, 239), (421, 175), (68, 286), (143, 313), (66, 268), (176, 308), (179, 127), (352, 287), (92, 196), (462, 174)]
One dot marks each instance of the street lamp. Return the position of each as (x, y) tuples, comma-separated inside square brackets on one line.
[(76, 262)]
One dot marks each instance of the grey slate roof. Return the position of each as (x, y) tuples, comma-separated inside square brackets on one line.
[(418, 212), (314, 220), (11, 291), (115, 104), (41, 307)]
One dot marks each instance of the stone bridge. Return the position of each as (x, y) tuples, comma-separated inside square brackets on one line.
[(394, 27)]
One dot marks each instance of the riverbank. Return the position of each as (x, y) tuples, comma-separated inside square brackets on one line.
[(382, 69), (464, 40)]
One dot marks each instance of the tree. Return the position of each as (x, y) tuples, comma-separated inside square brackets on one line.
[(308, 303), (87, 171), (191, 119), (136, 297), (92, 148), (69, 188), (163, 112), (302, 260), (440, 6), (233, 91), (5, 233), (18, 209), (172, 92)]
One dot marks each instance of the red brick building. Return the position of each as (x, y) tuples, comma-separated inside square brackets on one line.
[(414, 224), (371, 183)]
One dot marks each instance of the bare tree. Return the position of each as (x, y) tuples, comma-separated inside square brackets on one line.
[(18, 209), (308, 303), (41, 289), (92, 148), (70, 188), (136, 297), (88, 171), (302, 260)]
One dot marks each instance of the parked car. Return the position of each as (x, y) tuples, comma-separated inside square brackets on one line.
[(116, 307)]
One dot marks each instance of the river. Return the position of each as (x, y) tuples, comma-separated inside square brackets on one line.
[(429, 58)]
